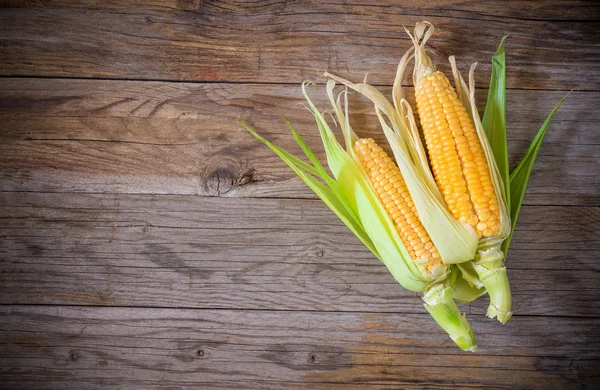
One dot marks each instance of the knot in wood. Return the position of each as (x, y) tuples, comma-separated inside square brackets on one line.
[(220, 182), (223, 180)]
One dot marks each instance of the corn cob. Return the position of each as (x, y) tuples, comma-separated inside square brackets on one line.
[(393, 193), (463, 167), (456, 155)]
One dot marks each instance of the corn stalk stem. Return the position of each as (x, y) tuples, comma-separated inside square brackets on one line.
[(489, 265), (440, 304)]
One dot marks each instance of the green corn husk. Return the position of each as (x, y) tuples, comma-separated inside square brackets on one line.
[(489, 265), (493, 272), (350, 196)]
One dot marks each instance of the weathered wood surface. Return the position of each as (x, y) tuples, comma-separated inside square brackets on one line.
[(182, 138), (147, 241), (62, 347), (553, 45), (174, 251)]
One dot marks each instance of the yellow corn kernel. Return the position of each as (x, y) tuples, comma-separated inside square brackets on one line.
[(397, 201), (456, 155)]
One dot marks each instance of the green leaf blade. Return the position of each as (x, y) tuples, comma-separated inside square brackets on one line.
[(494, 117), (280, 152), (329, 196), (308, 152)]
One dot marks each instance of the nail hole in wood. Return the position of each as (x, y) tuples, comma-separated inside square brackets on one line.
[(200, 353)]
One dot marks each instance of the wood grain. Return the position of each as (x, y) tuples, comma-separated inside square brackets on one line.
[(173, 251), (61, 347), (182, 138), (553, 45)]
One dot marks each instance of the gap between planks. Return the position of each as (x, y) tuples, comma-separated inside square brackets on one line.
[(274, 310), (234, 82)]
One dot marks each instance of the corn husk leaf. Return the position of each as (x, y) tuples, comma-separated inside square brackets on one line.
[(494, 123), (494, 117), (489, 264), (465, 283), (492, 271), (329, 196), (519, 177)]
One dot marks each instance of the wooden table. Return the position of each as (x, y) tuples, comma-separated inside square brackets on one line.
[(147, 241)]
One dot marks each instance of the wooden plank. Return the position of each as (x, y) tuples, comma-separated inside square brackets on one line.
[(578, 10), (81, 348), (274, 41), (174, 251), (182, 138)]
